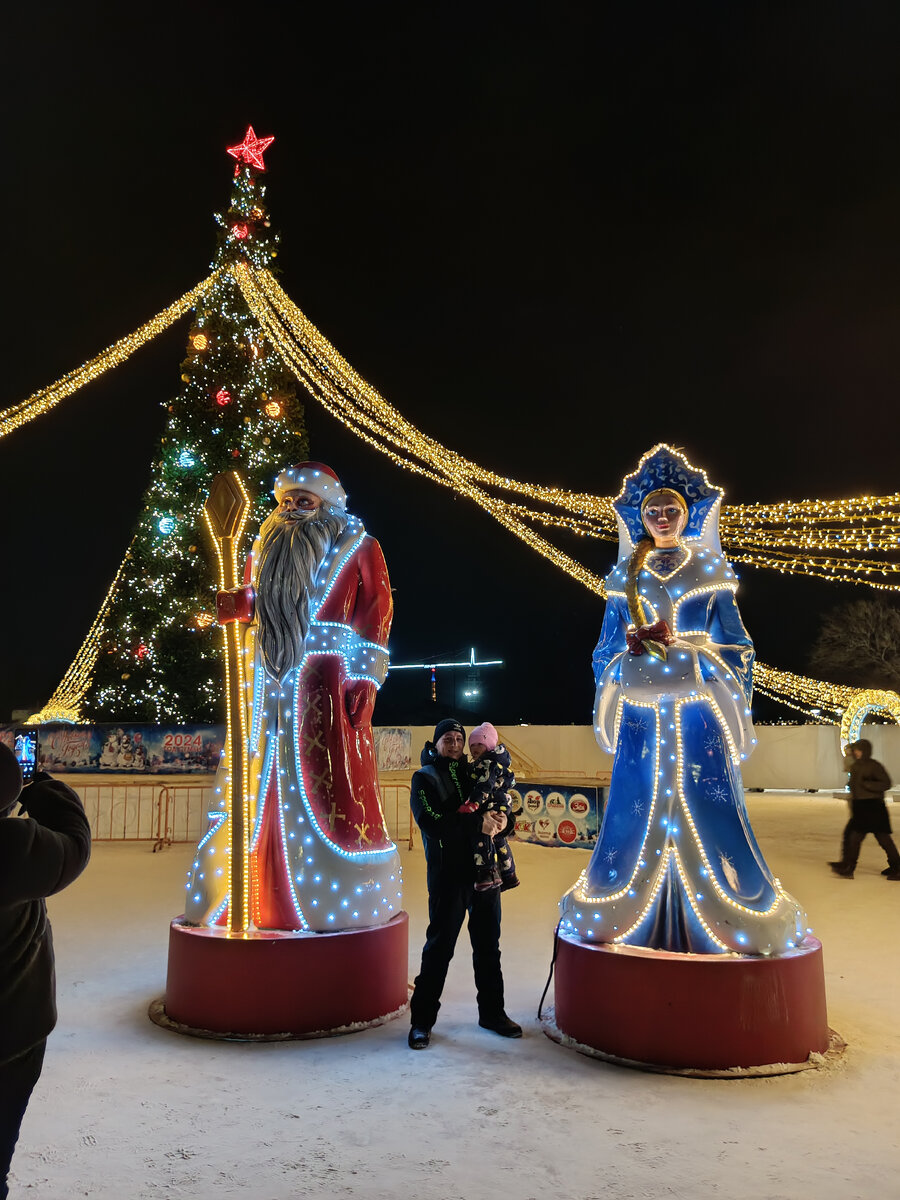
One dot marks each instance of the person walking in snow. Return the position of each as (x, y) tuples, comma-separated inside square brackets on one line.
[(868, 812)]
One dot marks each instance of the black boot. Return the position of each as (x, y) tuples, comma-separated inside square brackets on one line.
[(889, 846)]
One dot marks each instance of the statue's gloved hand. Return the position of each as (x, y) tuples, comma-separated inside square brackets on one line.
[(653, 635), (360, 701), (237, 604)]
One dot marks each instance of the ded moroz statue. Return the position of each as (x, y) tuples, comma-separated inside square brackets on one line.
[(316, 608)]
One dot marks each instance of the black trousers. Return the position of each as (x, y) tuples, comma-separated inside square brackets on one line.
[(853, 839), (17, 1080), (447, 908)]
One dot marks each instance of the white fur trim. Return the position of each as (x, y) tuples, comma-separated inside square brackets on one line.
[(320, 483)]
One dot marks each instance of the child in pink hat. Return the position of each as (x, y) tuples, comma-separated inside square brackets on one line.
[(492, 777)]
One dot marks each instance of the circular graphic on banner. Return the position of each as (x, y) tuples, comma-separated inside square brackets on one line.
[(545, 829), (556, 803), (567, 832), (523, 826), (534, 802), (515, 802), (578, 804)]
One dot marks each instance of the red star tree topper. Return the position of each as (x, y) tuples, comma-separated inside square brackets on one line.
[(251, 149)]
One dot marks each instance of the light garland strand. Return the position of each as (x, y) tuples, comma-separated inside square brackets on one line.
[(794, 524), (760, 535), (331, 381), (65, 703), (113, 356)]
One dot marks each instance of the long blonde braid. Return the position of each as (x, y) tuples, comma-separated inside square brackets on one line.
[(636, 609)]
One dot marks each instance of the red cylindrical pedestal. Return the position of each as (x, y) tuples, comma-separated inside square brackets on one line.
[(270, 983), (702, 1011)]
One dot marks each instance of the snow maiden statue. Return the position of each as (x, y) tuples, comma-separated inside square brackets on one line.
[(676, 866), (677, 948)]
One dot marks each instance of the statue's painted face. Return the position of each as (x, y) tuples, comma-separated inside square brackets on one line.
[(299, 500), (664, 515)]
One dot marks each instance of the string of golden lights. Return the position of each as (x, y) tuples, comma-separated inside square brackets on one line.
[(361, 408), (818, 538), (113, 356), (321, 368), (65, 703)]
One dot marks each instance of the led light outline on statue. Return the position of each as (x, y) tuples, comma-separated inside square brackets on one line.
[(302, 866), (715, 709)]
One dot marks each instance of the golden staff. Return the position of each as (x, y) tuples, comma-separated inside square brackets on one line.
[(226, 511)]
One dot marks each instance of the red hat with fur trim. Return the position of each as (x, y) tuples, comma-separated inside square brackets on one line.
[(313, 477)]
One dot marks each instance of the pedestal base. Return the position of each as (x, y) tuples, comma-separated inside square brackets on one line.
[(692, 1013), (275, 984)]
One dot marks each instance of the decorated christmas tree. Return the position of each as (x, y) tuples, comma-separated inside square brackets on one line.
[(237, 409)]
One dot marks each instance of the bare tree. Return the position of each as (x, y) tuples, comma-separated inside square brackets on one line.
[(859, 644)]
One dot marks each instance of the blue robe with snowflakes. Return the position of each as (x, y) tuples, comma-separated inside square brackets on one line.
[(676, 866)]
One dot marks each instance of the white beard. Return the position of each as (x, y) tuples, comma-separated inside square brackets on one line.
[(291, 550)]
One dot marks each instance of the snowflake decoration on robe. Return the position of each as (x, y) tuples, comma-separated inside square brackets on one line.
[(728, 870)]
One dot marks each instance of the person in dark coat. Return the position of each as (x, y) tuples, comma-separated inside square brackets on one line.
[(492, 777), (39, 856), (438, 790), (868, 812)]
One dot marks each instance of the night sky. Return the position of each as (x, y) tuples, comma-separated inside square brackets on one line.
[(550, 235)]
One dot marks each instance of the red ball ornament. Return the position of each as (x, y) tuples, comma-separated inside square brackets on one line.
[(240, 231), (223, 396)]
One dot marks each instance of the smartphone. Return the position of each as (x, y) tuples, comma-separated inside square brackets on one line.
[(26, 751)]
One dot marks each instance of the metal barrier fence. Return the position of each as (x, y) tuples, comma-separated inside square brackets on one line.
[(176, 812), (397, 815)]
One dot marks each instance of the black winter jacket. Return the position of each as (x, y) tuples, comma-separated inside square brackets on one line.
[(446, 832), (39, 856), (868, 778)]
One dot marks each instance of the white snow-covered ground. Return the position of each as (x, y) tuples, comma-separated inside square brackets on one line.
[(127, 1110)]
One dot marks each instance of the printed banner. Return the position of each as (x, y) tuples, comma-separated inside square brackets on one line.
[(557, 815), (392, 748), (127, 749)]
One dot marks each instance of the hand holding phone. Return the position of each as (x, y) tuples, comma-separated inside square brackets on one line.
[(26, 751)]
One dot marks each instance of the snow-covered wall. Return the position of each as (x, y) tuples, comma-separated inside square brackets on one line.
[(787, 757)]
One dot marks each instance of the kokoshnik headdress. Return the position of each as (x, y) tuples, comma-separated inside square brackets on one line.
[(665, 467)]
